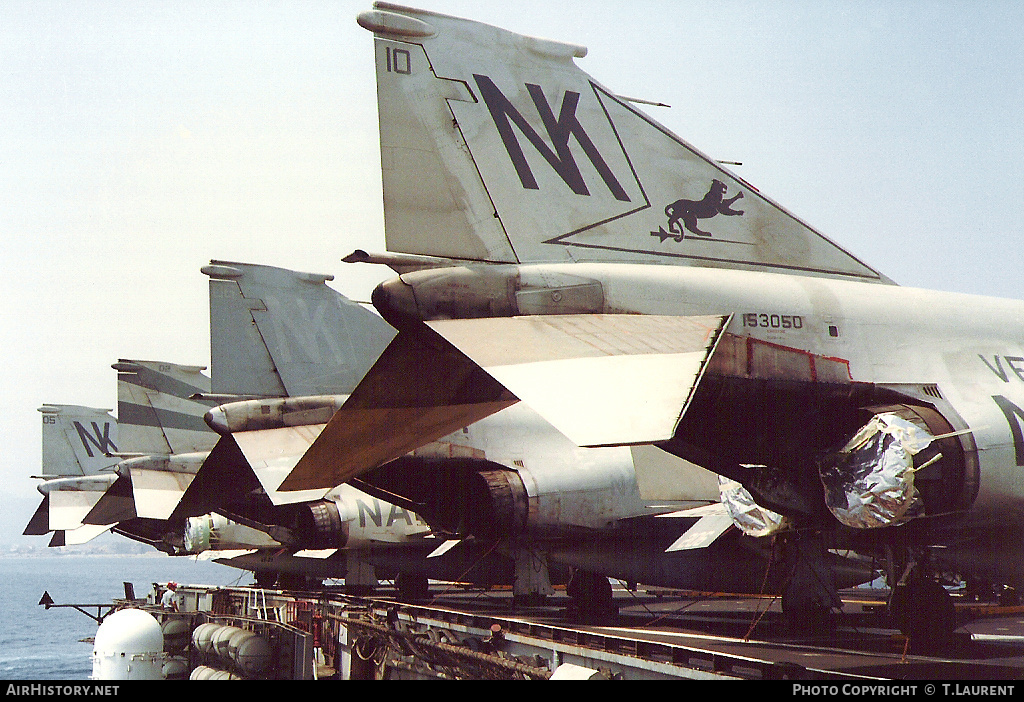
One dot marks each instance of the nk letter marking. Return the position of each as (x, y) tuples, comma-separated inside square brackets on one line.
[(100, 438), (559, 130)]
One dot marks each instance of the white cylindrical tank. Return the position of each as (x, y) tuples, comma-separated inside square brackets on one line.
[(176, 668), (129, 646), (201, 672), (205, 672), (202, 636), (176, 635), (249, 651), (220, 640), (569, 671)]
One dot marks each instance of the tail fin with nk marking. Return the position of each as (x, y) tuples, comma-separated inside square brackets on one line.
[(497, 147), (77, 441), (77, 467)]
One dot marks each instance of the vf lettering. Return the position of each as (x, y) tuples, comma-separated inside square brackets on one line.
[(1005, 367)]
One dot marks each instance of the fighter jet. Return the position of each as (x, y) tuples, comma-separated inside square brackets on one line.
[(77, 469), (285, 350), (165, 441), (509, 496), (104, 473), (563, 249)]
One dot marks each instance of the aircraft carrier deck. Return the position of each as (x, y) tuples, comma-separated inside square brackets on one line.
[(464, 633)]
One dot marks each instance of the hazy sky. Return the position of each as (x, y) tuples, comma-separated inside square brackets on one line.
[(140, 139)]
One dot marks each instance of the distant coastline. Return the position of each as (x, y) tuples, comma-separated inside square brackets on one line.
[(103, 545), (15, 544), (73, 552)]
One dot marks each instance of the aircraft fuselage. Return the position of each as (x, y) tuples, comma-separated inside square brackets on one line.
[(961, 354)]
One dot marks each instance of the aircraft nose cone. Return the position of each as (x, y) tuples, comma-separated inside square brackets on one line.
[(396, 303), (217, 420)]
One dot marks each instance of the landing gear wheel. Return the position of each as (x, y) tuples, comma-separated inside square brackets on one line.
[(810, 600), (412, 587), (296, 581), (358, 589), (923, 610), (805, 613), (265, 579), (979, 590), (591, 594)]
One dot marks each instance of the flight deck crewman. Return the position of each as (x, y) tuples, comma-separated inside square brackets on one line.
[(169, 600)]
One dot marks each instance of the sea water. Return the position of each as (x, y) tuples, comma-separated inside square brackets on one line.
[(56, 644)]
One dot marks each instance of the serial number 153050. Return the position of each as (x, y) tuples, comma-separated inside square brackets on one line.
[(773, 321)]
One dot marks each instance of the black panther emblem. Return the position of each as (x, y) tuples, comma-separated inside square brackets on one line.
[(685, 213)]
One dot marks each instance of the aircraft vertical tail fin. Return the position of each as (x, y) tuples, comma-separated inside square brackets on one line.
[(276, 333), (155, 409), (77, 441), (497, 147), (77, 466)]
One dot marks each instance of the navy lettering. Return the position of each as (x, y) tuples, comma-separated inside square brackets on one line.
[(398, 513), (374, 513)]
